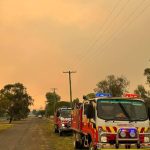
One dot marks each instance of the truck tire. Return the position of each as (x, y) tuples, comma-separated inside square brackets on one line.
[(92, 147), (127, 146), (138, 146), (60, 133), (77, 145), (77, 141), (117, 146), (56, 129)]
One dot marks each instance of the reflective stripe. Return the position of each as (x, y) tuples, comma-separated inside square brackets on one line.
[(146, 129), (112, 129), (104, 128), (139, 129)]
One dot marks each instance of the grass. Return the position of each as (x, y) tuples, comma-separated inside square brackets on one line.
[(58, 143), (4, 126)]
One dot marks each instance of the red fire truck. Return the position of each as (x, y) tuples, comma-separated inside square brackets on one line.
[(62, 120), (107, 121)]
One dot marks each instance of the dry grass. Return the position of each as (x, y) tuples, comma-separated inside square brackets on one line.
[(4, 126), (64, 142)]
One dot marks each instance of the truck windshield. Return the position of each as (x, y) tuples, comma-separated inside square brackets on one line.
[(121, 110), (66, 113)]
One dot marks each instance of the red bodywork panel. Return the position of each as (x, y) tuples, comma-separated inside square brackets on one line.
[(84, 126), (76, 122)]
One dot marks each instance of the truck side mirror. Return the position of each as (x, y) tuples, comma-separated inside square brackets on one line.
[(90, 111), (84, 97), (149, 113)]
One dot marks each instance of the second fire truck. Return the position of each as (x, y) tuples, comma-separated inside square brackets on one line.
[(111, 121), (62, 120)]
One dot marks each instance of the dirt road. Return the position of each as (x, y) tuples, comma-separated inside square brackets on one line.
[(25, 135)]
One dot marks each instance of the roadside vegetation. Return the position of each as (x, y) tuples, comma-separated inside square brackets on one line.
[(64, 142), (4, 126), (14, 102)]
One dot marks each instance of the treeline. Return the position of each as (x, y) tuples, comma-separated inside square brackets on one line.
[(15, 102), (112, 84)]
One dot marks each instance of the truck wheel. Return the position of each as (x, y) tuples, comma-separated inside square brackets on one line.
[(117, 146), (55, 129), (92, 147), (138, 146), (77, 145), (60, 133), (127, 146)]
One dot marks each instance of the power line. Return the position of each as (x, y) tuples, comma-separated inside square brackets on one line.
[(126, 23), (96, 37), (69, 73), (106, 29)]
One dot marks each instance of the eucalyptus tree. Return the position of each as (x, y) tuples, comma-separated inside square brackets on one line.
[(116, 86), (16, 100)]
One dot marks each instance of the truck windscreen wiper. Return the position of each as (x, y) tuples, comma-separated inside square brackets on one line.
[(125, 112)]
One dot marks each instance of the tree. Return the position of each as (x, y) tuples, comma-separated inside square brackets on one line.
[(34, 112), (40, 112), (16, 100), (116, 86), (140, 90), (52, 99), (49, 109), (75, 101), (147, 74)]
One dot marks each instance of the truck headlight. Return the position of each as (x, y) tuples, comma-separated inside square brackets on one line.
[(146, 139), (123, 134), (132, 134), (103, 139)]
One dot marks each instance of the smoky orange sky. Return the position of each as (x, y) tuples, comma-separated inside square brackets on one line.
[(39, 39)]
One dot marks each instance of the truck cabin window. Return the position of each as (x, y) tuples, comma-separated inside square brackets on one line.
[(121, 110), (65, 113)]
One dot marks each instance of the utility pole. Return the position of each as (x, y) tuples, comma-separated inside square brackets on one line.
[(54, 89), (70, 72)]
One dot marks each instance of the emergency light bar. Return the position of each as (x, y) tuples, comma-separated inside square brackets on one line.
[(103, 95), (130, 95)]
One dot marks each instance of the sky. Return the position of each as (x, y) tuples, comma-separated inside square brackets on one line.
[(41, 39)]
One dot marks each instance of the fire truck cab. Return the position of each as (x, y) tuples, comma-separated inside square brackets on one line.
[(107, 121), (62, 120)]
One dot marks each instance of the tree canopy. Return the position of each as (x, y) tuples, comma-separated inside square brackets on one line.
[(147, 74), (51, 98), (15, 101), (140, 90), (113, 85), (75, 102)]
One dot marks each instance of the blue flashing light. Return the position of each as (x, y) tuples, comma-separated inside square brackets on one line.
[(103, 95), (132, 130)]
